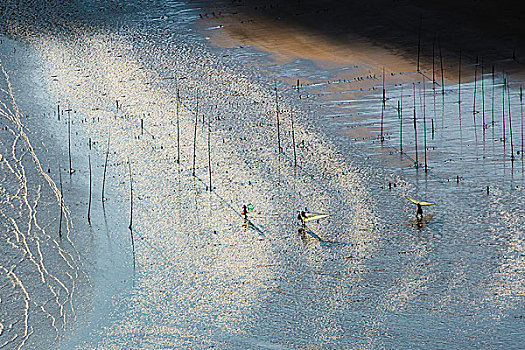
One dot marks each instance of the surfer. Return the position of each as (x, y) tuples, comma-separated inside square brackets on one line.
[(245, 213), (420, 204), (419, 213), (301, 217)]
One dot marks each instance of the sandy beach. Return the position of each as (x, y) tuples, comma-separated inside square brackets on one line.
[(186, 111)]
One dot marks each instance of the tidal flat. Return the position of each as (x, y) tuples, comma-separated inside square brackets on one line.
[(184, 111)]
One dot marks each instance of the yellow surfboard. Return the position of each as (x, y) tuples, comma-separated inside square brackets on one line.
[(313, 216), (418, 202)]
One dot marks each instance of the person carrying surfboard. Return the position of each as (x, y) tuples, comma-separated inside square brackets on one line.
[(245, 210), (245, 213), (420, 204), (305, 217)]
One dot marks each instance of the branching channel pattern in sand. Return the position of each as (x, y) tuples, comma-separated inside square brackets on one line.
[(38, 269)]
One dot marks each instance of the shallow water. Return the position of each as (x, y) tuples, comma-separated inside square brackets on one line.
[(371, 279)]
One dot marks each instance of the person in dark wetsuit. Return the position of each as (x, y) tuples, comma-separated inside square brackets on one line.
[(245, 213), (301, 217), (419, 213)]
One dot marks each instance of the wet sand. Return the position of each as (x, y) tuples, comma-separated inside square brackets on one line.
[(44, 285), (359, 46), (53, 279)]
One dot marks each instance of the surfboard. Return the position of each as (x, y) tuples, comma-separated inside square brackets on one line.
[(313, 216), (418, 202)]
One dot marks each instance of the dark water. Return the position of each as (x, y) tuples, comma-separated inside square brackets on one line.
[(367, 277)]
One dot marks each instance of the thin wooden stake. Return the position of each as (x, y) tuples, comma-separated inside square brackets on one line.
[(130, 201), (475, 90), (434, 74), (400, 116), (105, 167), (493, 96), (503, 110), (433, 64), (425, 124), (521, 109), (131, 212), (415, 125), (203, 120), (195, 135), (58, 112), (510, 125), (382, 138), (69, 142), (278, 121), (90, 184), (209, 149), (483, 97), (61, 202), (178, 127), (442, 86), (442, 73)]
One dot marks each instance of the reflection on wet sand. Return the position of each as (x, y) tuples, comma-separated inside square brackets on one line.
[(207, 243)]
